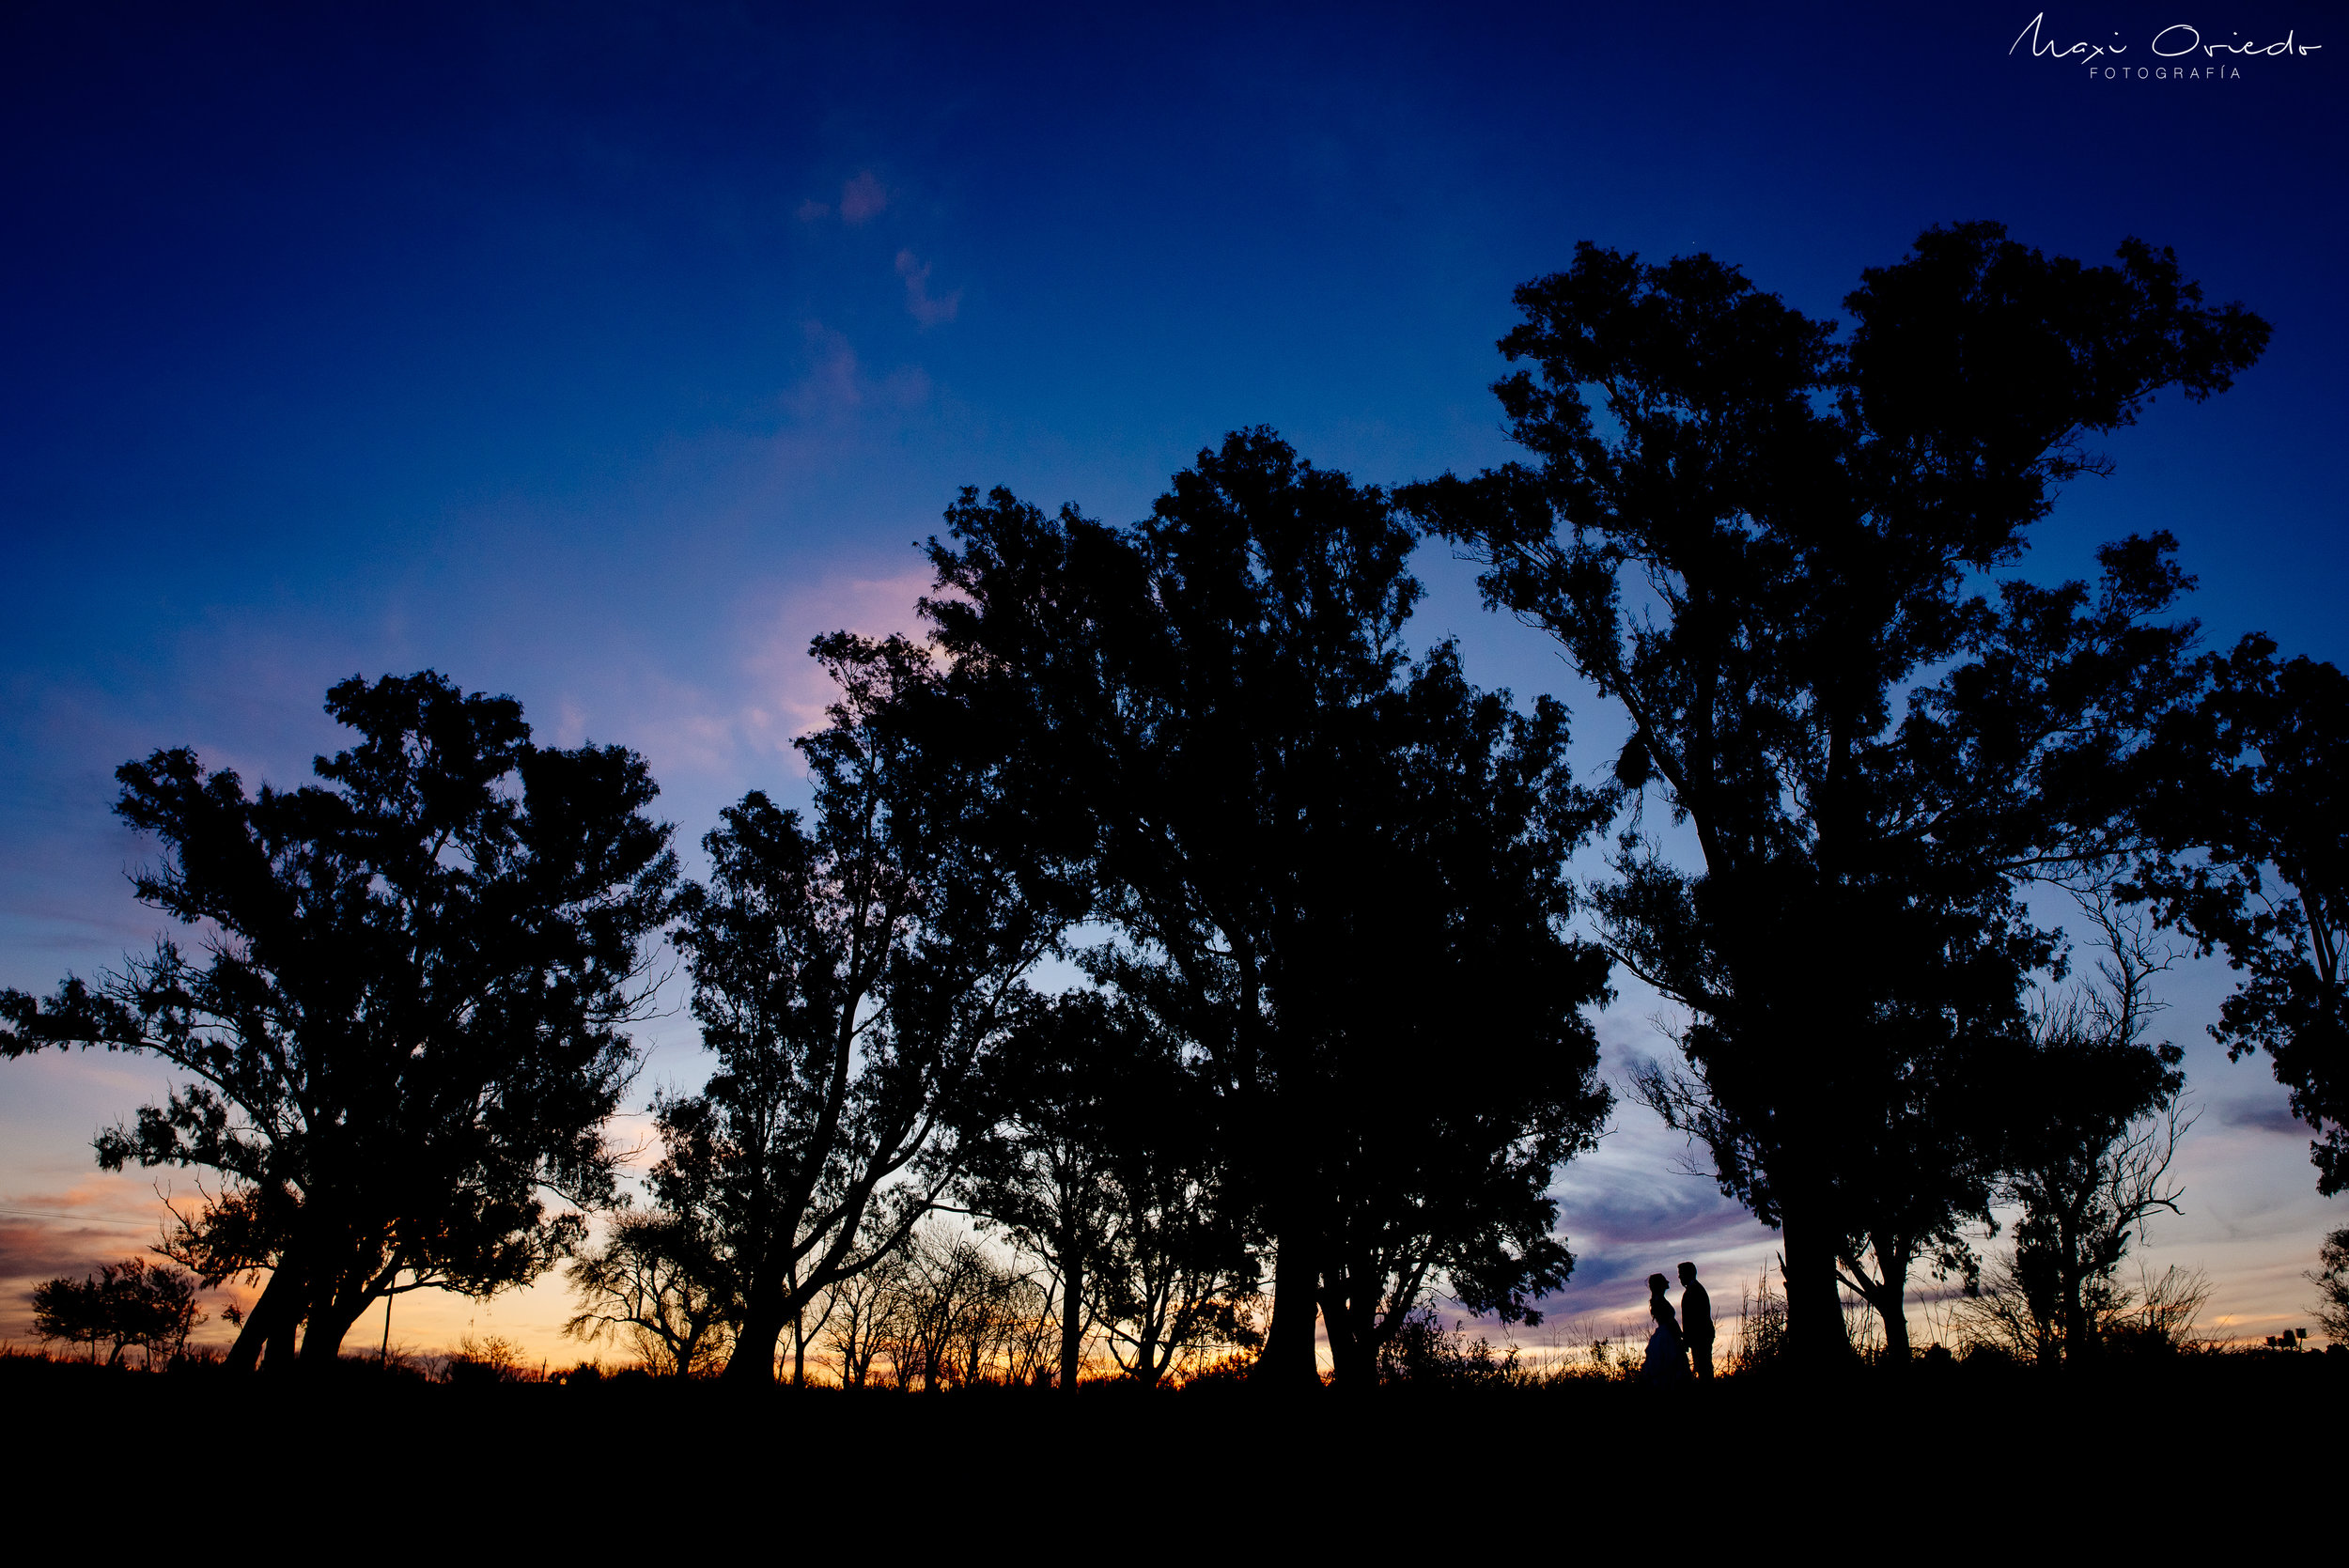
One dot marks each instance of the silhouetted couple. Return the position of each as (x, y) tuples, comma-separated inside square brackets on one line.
[(1682, 1338)]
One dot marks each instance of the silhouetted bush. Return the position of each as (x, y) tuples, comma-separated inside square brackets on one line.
[(478, 1362), (1422, 1353)]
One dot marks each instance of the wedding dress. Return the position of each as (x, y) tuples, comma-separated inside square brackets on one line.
[(1667, 1359)]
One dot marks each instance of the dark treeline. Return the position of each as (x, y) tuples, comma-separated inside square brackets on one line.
[(1333, 1042)]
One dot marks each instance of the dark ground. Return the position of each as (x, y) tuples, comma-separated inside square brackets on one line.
[(1959, 1456)]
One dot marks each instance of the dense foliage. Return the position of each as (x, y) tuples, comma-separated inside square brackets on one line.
[(1766, 541), (405, 1029)]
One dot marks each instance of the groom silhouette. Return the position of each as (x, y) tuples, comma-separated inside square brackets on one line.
[(1696, 1320)]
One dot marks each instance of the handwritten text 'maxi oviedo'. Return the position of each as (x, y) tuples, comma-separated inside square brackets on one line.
[(2180, 50)]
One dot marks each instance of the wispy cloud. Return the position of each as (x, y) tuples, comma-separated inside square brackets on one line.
[(927, 308), (714, 736), (73, 1229), (836, 381), (861, 199), (2268, 1113)]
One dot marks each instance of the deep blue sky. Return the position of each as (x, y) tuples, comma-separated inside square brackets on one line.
[(604, 354)]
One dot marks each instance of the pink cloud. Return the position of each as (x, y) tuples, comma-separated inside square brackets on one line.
[(927, 308), (814, 211), (790, 690), (47, 1231), (714, 736), (861, 199)]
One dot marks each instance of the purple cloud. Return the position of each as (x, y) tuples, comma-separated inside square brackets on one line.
[(927, 308)]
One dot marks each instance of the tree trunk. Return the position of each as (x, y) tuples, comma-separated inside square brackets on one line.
[(1815, 1336), (2079, 1335), (279, 1353), (282, 1339), (330, 1324), (1890, 1301), (1143, 1369), (1072, 1322), (1887, 1292), (259, 1329), (1353, 1353), (753, 1357), (1287, 1361)]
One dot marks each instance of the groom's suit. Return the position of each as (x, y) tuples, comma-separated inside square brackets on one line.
[(1696, 1324)]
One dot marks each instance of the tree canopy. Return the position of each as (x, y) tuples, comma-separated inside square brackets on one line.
[(1343, 867), (851, 979), (2247, 821), (405, 1030)]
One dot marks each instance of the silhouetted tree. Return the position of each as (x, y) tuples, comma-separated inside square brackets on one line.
[(1435, 928), (656, 1281), (1175, 1287), (1102, 1159), (73, 1312), (862, 1319), (2256, 777), (1763, 556), (1039, 1165), (1189, 685), (1219, 698), (1927, 1170), (130, 1304), (849, 980), (2014, 1313), (2094, 1126), (1175, 1275), (808, 1325), (406, 1025), (959, 1316)]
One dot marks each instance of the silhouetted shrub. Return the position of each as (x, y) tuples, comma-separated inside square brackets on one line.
[(1422, 1353), (478, 1362)]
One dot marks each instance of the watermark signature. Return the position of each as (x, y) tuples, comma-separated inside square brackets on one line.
[(2178, 52)]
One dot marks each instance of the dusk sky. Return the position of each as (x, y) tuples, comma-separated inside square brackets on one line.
[(604, 354)]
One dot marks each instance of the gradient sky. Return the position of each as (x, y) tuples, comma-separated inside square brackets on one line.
[(602, 355)]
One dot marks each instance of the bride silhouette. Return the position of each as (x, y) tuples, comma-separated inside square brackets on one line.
[(1667, 1358)]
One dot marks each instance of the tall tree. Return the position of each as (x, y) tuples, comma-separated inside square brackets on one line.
[(406, 1026), (1220, 702), (1764, 553), (851, 979)]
